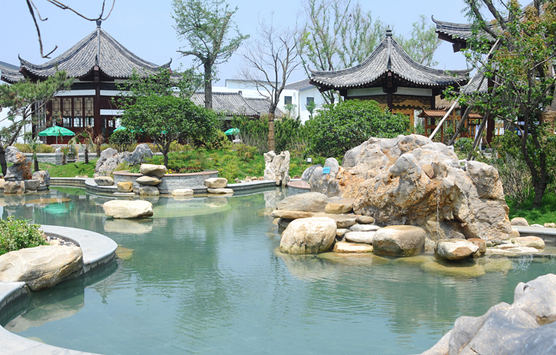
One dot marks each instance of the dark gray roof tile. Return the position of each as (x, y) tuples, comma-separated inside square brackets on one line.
[(389, 56), (113, 59)]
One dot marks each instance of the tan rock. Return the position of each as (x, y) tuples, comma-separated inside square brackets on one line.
[(480, 243), (104, 181), (14, 187), (291, 214), (125, 186), (339, 207), (364, 228), (124, 253), (182, 192), (365, 220), (456, 270), (360, 237), (519, 221), (128, 209), (306, 202), (399, 241), (354, 259), (148, 191), (220, 191), (308, 236), (344, 247), (502, 265), (41, 267), (531, 242), (514, 234), (216, 183), (340, 232), (148, 180), (550, 225), (344, 221), (455, 249), (152, 169), (2, 184)]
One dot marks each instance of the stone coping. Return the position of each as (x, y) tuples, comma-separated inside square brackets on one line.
[(544, 233), (98, 251), (90, 185), (205, 172), (299, 184)]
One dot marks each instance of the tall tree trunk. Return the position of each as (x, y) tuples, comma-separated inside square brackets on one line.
[(3, 160), (271, 131), (86, 152), (208, 85)]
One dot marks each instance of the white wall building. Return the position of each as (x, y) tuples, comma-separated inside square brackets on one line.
[(299, 94)]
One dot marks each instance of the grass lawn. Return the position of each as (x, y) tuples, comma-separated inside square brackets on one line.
[(231, 163), (544, 214)]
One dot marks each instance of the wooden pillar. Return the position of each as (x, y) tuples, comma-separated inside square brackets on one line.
[(98, 122)]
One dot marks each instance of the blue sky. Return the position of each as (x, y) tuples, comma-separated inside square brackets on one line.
[(146, 27)]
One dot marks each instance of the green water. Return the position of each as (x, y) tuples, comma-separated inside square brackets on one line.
[(204, 279)]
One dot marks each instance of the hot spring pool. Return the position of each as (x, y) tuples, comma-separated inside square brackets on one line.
[(204, 279)]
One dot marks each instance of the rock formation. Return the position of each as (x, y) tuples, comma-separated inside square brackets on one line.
[(41, 267), (128, 209), (277, 167), (18, 173), (110, 158), (525, 327), (410, 180)]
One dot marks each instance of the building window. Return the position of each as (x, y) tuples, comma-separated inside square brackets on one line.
[(77, 122), (67, 122), (89, 121), (89, 106), (287, 100), (310, 100)]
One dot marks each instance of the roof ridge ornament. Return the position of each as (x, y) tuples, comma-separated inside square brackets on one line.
[(388, 32), (389, 44)]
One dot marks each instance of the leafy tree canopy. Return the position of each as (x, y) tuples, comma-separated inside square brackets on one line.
[(340, 127)]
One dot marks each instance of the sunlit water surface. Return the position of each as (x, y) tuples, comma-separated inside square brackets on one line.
[(204, 279)]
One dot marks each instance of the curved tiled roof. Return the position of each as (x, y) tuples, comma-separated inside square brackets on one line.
[(10, 73), (233, 103), (113, 59), (388, 57), (454, 30)]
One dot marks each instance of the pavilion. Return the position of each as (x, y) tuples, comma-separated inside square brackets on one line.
[(392, 78), (97, 63)]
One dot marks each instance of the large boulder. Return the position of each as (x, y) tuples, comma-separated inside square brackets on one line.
[(322, 179), (41, 267), (32, 185), (399, 241), (307, 202), (525, 327), (308, 236), (277, 167), (14, 187), (14, 155), (148, 180), (412, 180), (104, 181), (138, 156), (455, 249), (108, 153), (216, 183), (128, 209), (152, 169), (43, 176)]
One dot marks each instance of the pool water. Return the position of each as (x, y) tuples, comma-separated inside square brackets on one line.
[(204, 278)]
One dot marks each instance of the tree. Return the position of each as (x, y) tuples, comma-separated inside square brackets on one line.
[(521, 73), (337, 128), (158, 105), (33, 8), (337, 35), (205, 25), (422, 43), (24, 99), (274, 57)]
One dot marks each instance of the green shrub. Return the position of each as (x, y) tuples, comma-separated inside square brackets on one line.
[(41, 148), (338, 128), (123, 140), (17, 234)]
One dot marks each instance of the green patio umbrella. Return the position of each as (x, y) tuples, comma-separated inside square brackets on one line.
[(120, 128), (56, 131), (232, 131)]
